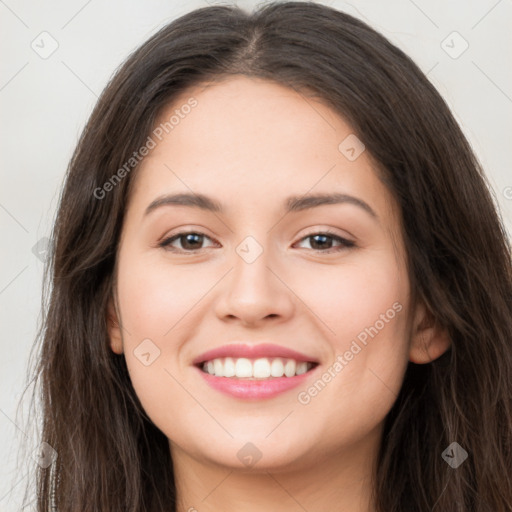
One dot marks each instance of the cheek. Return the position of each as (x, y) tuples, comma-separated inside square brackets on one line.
[(363, 310), (155, 296), (157, 302), (353, 296)]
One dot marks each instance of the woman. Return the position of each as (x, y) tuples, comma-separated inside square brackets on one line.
[(279, 281)]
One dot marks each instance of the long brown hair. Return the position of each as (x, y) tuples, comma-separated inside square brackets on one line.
[(111, 457)]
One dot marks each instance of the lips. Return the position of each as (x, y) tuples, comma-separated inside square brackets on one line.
[(238, 350)]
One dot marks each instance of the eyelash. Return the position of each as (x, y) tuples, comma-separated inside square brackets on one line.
[(346, 244)]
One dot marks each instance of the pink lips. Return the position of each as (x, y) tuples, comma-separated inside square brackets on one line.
[(252, 352), (255, 389)]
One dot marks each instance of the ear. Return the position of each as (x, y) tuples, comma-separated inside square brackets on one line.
[(428, 340), (114, 331)]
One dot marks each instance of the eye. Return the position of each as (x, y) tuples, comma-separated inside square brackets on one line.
[(190, 241), (323, 242)]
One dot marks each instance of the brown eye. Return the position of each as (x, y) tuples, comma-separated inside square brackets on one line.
[(190, 241), (323, 242)]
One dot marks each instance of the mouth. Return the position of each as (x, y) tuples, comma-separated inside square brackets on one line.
[(263, 368), (255, 372)]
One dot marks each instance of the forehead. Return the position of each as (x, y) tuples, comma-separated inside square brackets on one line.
[(252, 119), (248, 141)]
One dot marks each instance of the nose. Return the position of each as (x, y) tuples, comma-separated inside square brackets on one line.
[(255, 292)]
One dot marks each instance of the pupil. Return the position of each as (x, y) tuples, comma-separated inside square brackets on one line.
[(190, 238), (322, 237)]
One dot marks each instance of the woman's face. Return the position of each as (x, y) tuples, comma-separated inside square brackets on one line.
[(261, 270)]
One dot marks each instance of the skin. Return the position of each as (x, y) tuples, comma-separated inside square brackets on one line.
[(250, 144)]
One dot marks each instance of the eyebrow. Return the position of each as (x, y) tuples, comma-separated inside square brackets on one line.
[(292, 203)]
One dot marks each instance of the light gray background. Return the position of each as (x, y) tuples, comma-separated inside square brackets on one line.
[(46, 101)]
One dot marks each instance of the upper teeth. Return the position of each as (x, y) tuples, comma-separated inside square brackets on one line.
[(259, 368)]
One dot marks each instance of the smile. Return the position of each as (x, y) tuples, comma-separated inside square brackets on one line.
[(257, 379)]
